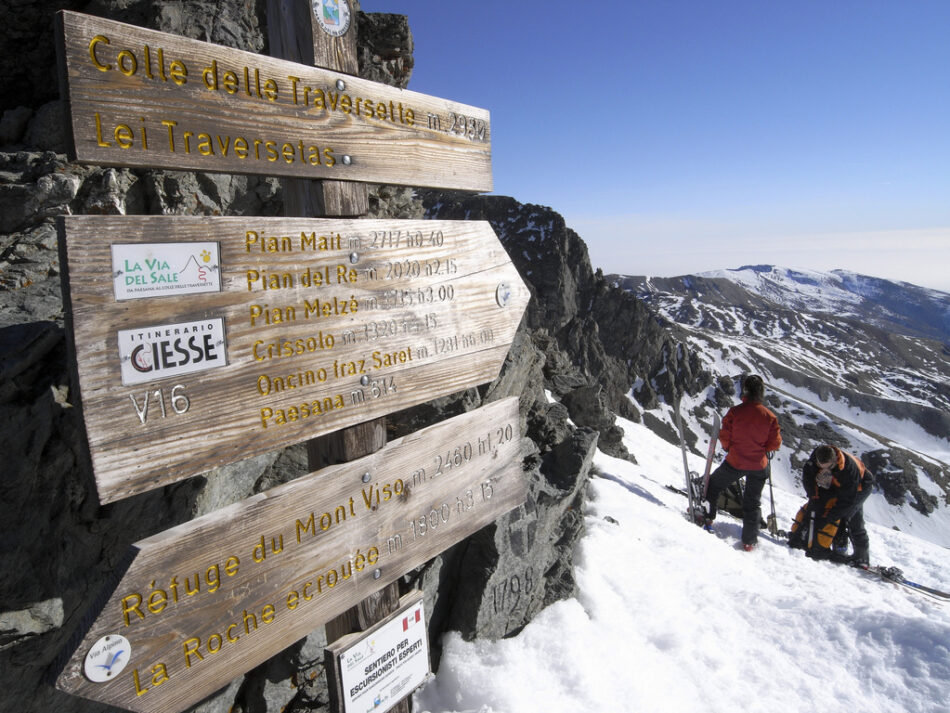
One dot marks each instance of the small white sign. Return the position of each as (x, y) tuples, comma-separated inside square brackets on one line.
[(164, 269), (160, 351), (107, 657), (333, 16), (387, 665)]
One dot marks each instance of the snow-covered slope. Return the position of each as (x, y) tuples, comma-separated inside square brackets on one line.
[(906, 308), (669, 618), (845, 362)]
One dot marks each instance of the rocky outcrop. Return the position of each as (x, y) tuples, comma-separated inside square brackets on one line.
[(896, 475), (614, 341), (579, 352)]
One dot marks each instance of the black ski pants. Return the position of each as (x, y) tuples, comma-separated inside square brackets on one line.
[(854, 518), (751, 496)]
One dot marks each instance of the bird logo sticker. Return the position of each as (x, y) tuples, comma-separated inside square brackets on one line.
[(107, 658)]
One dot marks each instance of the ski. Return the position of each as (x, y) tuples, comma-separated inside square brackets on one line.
[(895, 576), (696, 484), (694, 510), (711, 452)]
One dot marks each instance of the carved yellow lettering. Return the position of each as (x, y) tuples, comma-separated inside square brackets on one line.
[(159, 674), (127, 609), (99, 139), (193, 650), (123, 136), (231, 566), (127, 62), (139, 691), (178, 72), (98, 39)]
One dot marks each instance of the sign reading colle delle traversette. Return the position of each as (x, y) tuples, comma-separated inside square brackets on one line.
[(138, 97), (203, 341)]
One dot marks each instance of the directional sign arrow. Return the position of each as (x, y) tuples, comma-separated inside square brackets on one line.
[(208, 600), (202, 341), (138, 97)]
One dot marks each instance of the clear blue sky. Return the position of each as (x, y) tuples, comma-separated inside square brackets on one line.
[(678, 136)]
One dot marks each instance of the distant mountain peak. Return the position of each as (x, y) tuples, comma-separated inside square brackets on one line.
[(899, 307)]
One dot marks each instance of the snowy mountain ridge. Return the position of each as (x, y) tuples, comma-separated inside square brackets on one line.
[(914, 310), (847, 293), (849, 359)]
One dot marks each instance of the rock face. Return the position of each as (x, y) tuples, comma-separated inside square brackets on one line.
[(580, 349), (611, 339)]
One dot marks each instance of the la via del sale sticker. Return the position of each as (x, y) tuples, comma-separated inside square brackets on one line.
[(142, 270)]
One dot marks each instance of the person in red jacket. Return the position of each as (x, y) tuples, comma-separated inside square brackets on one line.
[(749, 433)]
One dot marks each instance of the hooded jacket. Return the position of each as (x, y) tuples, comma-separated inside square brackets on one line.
[(849, 477), (749, 431)]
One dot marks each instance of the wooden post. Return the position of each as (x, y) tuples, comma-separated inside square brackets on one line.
[(295, 35)]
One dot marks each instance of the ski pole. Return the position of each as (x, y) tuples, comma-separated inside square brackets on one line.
[(811, 530), (772, 521)]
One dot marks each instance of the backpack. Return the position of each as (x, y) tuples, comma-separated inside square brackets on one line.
[(730, 499)]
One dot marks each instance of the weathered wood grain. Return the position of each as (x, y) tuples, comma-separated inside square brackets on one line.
[(294, 35), (210, 599), (422, 321), (138, 97)]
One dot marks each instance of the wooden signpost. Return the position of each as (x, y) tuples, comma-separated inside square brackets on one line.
[(203, 602), (203, 341), (138, 97)]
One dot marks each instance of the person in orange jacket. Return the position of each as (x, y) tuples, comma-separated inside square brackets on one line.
[(749, 432), (837, 483)]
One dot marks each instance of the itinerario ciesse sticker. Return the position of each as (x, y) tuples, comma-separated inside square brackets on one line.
[(159, 351)]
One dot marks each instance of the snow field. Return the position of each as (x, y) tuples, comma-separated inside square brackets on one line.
[(671, 618)]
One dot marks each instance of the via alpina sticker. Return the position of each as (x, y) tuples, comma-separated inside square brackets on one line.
[(107, 657), (333, 16)]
